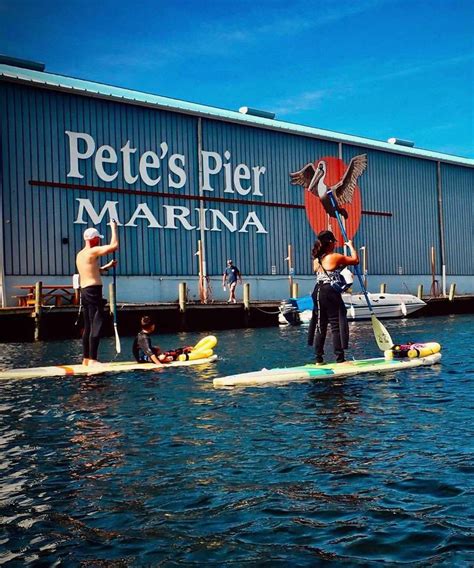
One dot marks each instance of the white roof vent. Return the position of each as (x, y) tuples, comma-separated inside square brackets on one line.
[(401, 142), (23, 63), (256, 112)]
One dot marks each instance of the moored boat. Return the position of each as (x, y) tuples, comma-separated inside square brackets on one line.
[(298, 310)]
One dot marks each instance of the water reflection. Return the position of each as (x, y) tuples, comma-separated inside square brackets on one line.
[(95, 448), (334, 410)]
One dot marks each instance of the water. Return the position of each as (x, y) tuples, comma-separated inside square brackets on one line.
[(147, 469)]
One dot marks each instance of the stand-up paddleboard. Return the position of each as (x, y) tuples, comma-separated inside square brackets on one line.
[(201, 354), (334, 370)]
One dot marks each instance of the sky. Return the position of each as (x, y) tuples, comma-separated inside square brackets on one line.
[(370, 68)]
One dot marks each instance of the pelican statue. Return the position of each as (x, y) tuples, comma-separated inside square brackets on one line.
[(312, 179)]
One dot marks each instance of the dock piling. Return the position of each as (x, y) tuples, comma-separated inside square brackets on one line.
[(383, 288), (452, 292), (38, 309), (291, 270), (295, 290), (247, 295), (182, 293), (419, 293)]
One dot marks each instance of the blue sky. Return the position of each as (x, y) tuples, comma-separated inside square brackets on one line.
[(373, 68)]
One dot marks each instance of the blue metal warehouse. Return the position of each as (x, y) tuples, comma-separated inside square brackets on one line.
[(76, 153)]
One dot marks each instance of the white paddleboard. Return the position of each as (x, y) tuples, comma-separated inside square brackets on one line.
[(312, 371), (114, 367)]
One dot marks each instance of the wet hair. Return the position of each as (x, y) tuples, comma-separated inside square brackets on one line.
[(322, 244), (147, 323)]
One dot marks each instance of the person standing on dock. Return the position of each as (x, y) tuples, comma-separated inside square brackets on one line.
[(87, 262), (231, 275)]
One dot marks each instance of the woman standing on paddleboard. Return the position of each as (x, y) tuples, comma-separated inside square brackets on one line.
[(329, 306)]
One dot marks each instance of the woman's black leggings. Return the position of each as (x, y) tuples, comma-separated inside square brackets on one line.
[(329, 309), (92, 303)]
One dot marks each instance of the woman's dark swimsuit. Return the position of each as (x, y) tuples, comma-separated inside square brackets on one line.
[(329, 308)]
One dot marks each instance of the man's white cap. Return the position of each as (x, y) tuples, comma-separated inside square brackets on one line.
[(92, 233)]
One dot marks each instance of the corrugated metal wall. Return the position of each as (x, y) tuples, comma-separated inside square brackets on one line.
[(406, 188), (35, 147), (280, 154), (457, 192), (38, 218)]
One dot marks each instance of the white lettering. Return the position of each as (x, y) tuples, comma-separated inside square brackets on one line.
[(242, 172), (202, 218), (86, 206), (257, 172), (149, 160), (75, 155), (231, 225), (127, 167), (176, 213), (177, 171), (105, 154), (164, 149), (241, 179), (252, 219), (143, 212), (207, 170), (228, 174)]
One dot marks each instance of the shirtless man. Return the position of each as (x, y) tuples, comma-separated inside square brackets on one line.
[(87, 261)]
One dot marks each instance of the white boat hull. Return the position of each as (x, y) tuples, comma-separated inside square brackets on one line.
[(385, 306)]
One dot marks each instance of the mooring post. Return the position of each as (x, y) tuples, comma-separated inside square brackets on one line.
[(383, 288), (452, 292), (247, 295), (364, 263), (182, 293), (295, 290), (38, 309), (419, 294), (291, 270)]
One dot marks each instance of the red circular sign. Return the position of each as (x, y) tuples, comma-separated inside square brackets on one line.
[(317, 216)]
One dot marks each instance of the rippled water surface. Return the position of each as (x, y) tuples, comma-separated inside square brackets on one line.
[(160, 468)]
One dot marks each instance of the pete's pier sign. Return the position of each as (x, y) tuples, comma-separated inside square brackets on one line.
[(128, 166)]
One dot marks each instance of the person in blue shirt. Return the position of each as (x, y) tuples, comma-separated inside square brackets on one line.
[(231, 276)]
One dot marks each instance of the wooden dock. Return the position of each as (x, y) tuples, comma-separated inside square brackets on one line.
[(61, 322), (20, 323)]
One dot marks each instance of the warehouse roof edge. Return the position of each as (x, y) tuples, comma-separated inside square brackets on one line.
[(79, 86)]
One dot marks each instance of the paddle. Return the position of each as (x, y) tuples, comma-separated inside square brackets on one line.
[(382, 337), (76, 284), (118, 347)]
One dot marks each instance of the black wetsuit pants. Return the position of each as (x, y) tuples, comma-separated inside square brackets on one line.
[(92, 304), (329, 309)]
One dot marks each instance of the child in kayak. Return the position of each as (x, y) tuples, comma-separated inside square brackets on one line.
[(144, 352)]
